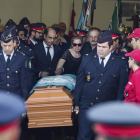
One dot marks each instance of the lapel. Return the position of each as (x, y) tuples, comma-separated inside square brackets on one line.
[(42, 52), (13, 58), (109, 63), (96, 61), (2, 58), (55, 52)]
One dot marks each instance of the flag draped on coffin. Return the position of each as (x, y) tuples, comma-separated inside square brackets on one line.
[(84, 14), (115, 17), (72, 22)]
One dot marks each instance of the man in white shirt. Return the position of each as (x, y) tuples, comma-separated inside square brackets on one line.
[(101, 77), (47, 55), (12, 65)]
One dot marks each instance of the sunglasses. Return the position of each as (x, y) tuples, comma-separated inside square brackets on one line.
[(74, 45)]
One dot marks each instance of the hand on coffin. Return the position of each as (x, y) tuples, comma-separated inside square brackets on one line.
[(76, 110), (44, 73), (59, 71)]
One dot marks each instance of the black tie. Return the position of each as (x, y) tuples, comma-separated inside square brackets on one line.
[(8, 59), (102, 64), (48, 55)]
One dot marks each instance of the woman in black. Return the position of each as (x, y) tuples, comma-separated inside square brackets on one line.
[(71, 59)]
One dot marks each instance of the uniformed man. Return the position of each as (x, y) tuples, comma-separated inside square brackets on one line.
[(11, 110), (10, 22), (22, 32), (115, 121), (12, 71), (101, 77), (35, 34), (64, 46), (90, 46), (29, 64), (25, 21), (62, 32)]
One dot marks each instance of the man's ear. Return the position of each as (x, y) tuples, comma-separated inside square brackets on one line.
[(44, 36), (111, 47)]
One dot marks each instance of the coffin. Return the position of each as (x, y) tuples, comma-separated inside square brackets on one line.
[(49, 106)]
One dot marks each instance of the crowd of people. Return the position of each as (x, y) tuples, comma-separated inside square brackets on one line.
[(106, 63)]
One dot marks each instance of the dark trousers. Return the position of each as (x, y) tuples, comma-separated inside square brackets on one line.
[(85, 131)]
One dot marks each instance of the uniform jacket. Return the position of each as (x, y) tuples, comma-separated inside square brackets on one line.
[(41, 63), (64, 46), (101, 86), (132, 89), (13, 76), (86, 49), (29, 64)]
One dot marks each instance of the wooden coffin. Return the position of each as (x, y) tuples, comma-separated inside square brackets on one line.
[(49, 107)]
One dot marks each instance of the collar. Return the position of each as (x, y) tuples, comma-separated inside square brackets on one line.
[(5, 55), (34, 42), (113, 51), (46, 45), (107, 57)]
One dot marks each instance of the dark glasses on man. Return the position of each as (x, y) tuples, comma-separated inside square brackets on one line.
[(79, 45)]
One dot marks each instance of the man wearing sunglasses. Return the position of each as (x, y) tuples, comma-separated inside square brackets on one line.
[(101, 77), (46, 55)]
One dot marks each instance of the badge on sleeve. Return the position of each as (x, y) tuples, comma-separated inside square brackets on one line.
[(88, 77)]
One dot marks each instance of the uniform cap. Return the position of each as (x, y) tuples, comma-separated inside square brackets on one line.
[(10, 22), (9, 34), (24, 21), (135, 33), (105, 37), (57, 30), (116, 119), (20, 27), (36, 27), (80, 32), (135, 54), (11, 109)]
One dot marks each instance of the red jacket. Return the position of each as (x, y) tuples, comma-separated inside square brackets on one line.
[(132, 89)]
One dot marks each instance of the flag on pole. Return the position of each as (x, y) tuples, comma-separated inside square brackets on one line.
[(115, 17), (120, 11), (72, 22), (93, 6), (84, 14)]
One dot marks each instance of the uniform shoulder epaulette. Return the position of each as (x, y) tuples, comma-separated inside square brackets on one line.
[(88, 54), (28, 48), (32, 57), (22, 53), (123, 58)]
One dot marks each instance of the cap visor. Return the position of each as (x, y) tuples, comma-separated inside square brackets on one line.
[(131, 35), (128, 54)]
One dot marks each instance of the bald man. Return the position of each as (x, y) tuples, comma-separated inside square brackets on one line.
[(62, 33), (46, 55)]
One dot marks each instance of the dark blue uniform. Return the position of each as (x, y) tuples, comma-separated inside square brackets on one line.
[(94, 86), (29, 64), (122, 56), (13, 76), (64, 46)]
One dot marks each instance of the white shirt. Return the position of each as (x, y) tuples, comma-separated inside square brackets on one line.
[(6, 57), (105, 60), (51, 50), (34, 42)]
